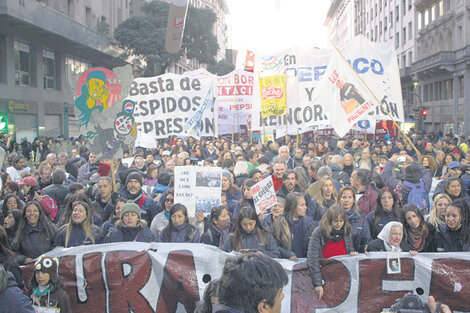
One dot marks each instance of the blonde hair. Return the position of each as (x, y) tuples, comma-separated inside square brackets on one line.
[(433, 217), (319, 196)]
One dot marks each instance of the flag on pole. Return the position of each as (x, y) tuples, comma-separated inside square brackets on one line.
[(344, 96), (194, 123)]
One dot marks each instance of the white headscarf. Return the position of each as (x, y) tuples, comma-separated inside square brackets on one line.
[(384, 235)]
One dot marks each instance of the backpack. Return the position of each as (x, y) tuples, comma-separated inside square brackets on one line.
[(418, 196)]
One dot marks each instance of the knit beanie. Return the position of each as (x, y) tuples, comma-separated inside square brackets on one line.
[(130, 206), (226, 174), (134, 175), (48, 265), (104, 169)]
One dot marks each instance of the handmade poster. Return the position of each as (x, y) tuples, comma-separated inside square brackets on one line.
[(264, 195), (198, 188), (105, 118)]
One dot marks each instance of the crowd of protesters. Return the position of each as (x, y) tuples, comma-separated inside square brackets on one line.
[(335, 197)]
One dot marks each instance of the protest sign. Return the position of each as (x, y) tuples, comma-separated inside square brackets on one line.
[(237, 92), (166, 102), (264, 196), (375, 62), (198, 188), (172, 277), (105, 117), (345, 98), (273, 95)]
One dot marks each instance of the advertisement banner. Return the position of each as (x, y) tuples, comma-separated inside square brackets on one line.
[(264, 195), (376, 63), (165, 103), (198, 188), (164, 277), (236, 93), (273, 95)]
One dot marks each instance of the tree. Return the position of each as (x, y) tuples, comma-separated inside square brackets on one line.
[(221, 68), (143, 37)]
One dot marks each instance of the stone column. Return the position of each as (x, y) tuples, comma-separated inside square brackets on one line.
[(456, 101), (466, 103)]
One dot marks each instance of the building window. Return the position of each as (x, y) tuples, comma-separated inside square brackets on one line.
[(380, 28), (410, 4), (397, 12), (410, 30), (371, 35), (433, 13), (420, 16), (441, 8), (426, 17), (375, 8), (461, 91), (410, 57), (404, 60), (380, 5), (375, 38), (88, 16), (397, 40), (48, 69), (403, 7), (425, 93), (449, 89), (74, 67), (403, 34), (385, 22), (22, 64), (391, 19)]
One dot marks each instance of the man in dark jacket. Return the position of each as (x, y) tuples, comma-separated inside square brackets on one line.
[(289, 179), (337, 165), (366, 195), (133, 191), (12, 299), (57, 191)]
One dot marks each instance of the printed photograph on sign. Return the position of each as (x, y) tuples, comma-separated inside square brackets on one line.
[(205, 204), (393, 263), (208, 178)]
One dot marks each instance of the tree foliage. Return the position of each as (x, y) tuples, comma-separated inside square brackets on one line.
[(221, 68), (144, 37)]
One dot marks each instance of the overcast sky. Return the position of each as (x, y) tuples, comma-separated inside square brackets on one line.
[(270, 25)]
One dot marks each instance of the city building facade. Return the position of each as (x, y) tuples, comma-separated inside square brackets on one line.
[(40, 41)]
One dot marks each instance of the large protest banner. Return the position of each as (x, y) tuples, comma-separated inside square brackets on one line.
[(165, 103), (160, 277), (375, 62), (198, 188), (237, 92)]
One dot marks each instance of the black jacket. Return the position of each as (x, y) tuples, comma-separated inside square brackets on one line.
[(13, 300), (33, 243), (445, 241), (119, 234)]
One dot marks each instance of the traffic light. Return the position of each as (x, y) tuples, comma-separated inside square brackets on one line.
[(424, 113)]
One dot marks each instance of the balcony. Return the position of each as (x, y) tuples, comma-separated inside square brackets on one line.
[(440, 60), (30, 20)]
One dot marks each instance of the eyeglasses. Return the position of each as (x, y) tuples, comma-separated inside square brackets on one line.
[(169, 200)]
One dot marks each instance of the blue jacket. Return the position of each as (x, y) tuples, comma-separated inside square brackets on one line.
[(251, 241), (77, 236), (13, 299), (121, 234), (360, 230)]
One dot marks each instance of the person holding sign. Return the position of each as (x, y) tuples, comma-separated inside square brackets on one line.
[(246, 199), (249, 235), (179, 229), (232, 191), (293, 229), (331, 238), (48, 291)]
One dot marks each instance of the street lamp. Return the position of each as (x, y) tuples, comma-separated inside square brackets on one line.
[(415, 80), (418, 110)]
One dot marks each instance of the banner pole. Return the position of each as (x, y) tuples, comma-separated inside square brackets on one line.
[(365, 133), (113, 175), (379, 102)]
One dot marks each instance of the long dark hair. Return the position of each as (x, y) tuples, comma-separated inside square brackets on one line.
[(281, 229), (216, 212), (464, 208), (379, 211), (246, 184), (212, 290), (5, 248), (447, 183), (166, 232), (406, 227), (50, 230), (19, 205), (249, 213)]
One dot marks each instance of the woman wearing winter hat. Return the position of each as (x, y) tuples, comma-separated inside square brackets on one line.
[(47, 289), (130, 227), (80, 229)]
